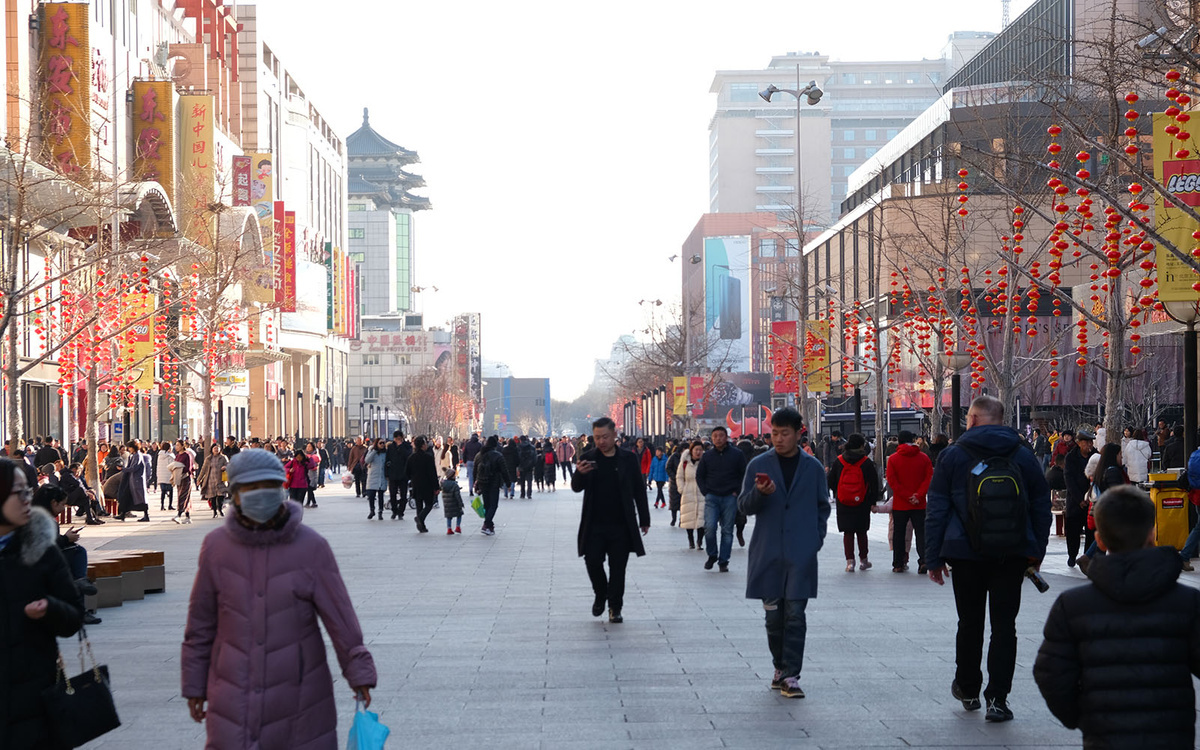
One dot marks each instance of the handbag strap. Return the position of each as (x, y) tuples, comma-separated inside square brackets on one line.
[(85, 645)]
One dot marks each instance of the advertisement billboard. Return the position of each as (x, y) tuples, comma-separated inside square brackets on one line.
[(154, 134), (783, 357), (1182, 178), (197, 185), (66, 81), (727, 300), (724, 397)]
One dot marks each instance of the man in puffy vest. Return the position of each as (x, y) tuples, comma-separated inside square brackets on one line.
[(981, 580)]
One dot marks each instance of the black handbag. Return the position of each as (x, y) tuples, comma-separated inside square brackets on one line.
[(80, 708)]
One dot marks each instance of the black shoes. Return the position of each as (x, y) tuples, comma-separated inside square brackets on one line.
[(723, 567), (614, 616), (86, 587), (998, 710), (91, 619), (741, 539), (710, 562), (598, 606), (969, 704), (371, 516)]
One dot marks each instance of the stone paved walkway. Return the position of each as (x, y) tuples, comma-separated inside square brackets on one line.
[(489, 642)]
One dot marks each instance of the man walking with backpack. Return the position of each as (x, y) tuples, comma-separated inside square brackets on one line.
[(988, 516)]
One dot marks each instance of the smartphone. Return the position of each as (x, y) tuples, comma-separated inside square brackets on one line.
[(760, 478)]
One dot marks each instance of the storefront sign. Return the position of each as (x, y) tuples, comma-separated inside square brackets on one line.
[(241, 180), (1182, 178), (289, 261), (65, 73), (197, 186), (153, 134)]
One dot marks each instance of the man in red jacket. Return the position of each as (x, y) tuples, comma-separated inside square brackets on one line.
[(908, 473)]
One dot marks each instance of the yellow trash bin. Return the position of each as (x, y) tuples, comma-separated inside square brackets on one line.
[(1170, 508)]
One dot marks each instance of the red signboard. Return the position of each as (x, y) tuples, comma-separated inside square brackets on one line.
[(786, 378), (289, 261), (241, 180), (277, 263)]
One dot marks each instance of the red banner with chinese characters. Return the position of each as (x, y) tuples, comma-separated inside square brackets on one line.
[(786, 378), (154, 134), (277, 253), (241, 180), (289, 261), (353, 284), (66, 81)]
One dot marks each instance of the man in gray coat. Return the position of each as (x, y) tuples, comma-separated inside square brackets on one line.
[(785, 488)]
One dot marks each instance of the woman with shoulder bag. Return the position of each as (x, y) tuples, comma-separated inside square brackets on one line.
[(40, 602)]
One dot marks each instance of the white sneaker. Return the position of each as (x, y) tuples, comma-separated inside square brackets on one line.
[(176, 520)]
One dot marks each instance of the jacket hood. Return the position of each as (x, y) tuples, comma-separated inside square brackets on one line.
[(853, 454), (908, 450), (265, 538), (1136, 577), (37, 536), (990, 439)]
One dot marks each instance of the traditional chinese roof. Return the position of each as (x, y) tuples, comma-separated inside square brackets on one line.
[(366, 143), (375, 169)]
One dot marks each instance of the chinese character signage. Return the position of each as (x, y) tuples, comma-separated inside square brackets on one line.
[(329, 285), (65, 72), (241, 180), (289, 261), (277, 215), (1182, 178), (786, 378), (816, 356), (398, 342), (196, 171), (153, 134)]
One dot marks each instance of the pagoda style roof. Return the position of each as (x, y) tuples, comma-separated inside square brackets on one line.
[(365, 143)]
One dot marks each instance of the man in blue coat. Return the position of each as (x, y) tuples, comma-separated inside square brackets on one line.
[(785, 489), (984, 581)]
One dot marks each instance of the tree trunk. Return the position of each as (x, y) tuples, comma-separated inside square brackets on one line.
[(206, 401), (13, 384), (93, 433)]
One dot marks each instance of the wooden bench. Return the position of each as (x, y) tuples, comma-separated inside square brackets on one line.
[(125, 575)]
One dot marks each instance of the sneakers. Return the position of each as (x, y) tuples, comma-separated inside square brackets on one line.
[(849, 566), (487, 532), (371, 516), (1187, 564), (865, 564), (176, 519), (900, 569), (969, 704), (1083, 562), (614, 616), (449, 532), (458, 529), (791, 688), (998, 710), (723, 567), (86, 587), (598, 606), (777, 680), (89, 618), (710, 562)]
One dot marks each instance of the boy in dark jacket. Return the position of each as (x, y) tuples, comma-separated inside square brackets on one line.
[(1119, 654)]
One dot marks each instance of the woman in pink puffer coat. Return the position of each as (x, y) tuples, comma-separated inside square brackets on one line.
[(252, 648)]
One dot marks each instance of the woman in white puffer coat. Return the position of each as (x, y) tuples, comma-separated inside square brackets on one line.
[(691, 499), (1136, 455)]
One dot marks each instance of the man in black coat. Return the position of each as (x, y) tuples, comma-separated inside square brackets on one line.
[(1119, 654), (1078, 488), (398, 453), (47, 454), (614, 509), (421, 469), (528, 457), (512, 461)]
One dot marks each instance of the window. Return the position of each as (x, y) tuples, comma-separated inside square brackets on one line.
[(892, 133), (370, 359), (848, 79), (870, 152), (912, 77), (743, 92), (891, 78), (848, 153), (370, 393), (792, 247), (936, 77), (356, 207), (766, 248), (357, 233), (847, 135), (870, 135), (402, 359), (848, 170), (358, 257)]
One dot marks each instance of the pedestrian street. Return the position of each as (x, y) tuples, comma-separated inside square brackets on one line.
[(489, 642)]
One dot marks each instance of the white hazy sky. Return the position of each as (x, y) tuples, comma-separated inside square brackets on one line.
[(565, 144)]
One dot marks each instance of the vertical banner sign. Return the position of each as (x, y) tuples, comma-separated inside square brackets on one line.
[(196, 189), (277, 214), (680, 386), (786, 379), (262, 192), (140, 337), (353, 281), (1182, 178), (696, 395), (329, 286), (816, 356), (241, 180), (154, 134), (335, 276), (66, 82), (289, 261)]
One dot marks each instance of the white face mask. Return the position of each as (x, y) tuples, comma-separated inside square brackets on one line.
[(261, 505)]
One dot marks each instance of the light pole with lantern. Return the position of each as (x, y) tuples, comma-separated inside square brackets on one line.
[(858, 378), (955, 362)]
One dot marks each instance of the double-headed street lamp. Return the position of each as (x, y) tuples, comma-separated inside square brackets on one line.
[(812, 94)]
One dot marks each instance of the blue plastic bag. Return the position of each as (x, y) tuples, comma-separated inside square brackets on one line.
[(366, 733)]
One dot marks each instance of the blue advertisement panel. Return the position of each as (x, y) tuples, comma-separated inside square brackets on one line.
[(727, 301)]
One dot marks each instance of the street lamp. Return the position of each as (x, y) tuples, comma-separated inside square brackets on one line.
[(361, 426), (812, 94), (1188, 313), (955, 362), (857, 379)]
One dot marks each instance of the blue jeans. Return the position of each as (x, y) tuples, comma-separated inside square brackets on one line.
[(1192, 544), (77, 561), (787, 629), (723, 508), (470, 476)]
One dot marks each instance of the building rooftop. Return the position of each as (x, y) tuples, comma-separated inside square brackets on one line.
[(366, 143)]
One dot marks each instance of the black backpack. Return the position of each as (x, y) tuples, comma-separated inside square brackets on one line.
[(483, 469), (997, 505)]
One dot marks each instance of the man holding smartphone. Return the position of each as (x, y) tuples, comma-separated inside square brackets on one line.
[(614, 509), (785, 489)]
